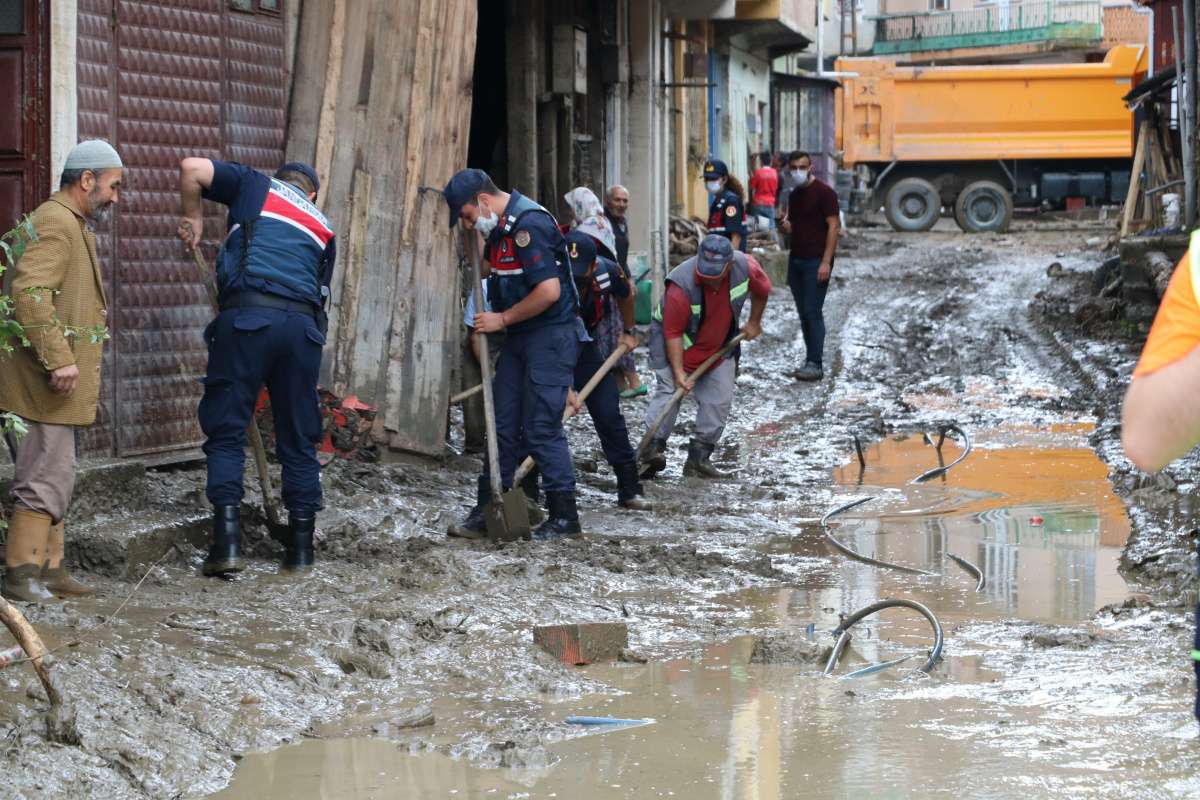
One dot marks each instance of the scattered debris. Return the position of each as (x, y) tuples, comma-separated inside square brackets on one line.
[(583, 643), (843, 631)]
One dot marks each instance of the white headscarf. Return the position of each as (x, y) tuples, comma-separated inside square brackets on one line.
[(590, 218)]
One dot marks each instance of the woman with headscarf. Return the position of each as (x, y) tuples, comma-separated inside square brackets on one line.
[(589, 217)]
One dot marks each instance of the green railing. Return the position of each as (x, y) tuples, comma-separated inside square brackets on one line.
[(994, 25)]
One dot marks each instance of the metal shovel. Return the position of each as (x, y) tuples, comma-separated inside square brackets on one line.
[(584, 393), (278, 529), (675, 398), (506, 516)]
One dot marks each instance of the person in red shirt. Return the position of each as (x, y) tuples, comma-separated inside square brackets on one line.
[(1160, 421), (700, 312), (764, 188)]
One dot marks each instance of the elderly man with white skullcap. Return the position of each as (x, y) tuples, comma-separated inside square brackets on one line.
[(53, 382)]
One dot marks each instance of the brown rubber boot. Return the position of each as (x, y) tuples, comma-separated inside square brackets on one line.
[(54, 572), (28, 532)]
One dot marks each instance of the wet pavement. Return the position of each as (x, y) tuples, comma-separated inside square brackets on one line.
[(1066, 674)]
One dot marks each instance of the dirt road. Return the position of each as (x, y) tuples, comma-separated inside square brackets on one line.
[(1067, 672)]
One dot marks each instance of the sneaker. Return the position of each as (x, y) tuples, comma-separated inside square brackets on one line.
[(809, 372)]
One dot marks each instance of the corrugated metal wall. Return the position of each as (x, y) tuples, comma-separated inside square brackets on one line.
[(161, 81), (802, 119)]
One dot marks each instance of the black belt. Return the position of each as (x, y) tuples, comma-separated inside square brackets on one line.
[(248, 298)]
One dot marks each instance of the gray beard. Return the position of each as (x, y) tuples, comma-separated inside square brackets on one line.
[(101, 215)]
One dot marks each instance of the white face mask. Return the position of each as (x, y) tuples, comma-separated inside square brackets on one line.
[(485, 225), (801, 175), (712, 186)]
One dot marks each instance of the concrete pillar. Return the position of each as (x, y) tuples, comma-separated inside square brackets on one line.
[(648, 172), (64, 85)]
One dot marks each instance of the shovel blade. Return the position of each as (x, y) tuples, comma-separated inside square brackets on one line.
[(508, 518)]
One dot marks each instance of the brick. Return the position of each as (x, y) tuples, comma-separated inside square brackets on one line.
[(584, 642)]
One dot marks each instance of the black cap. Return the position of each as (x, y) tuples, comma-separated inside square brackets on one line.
[(303, 169), (462, 189), (715, 168), (582, 250), (715, 252)]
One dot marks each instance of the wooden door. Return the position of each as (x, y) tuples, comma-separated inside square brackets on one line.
[(24, 107)]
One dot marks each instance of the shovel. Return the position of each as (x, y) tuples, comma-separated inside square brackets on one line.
[(506, 516), (675, 398), (584, 393), (279, 531)]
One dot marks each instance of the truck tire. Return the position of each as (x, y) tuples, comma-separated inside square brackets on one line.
[(913, 204), (983, 206)]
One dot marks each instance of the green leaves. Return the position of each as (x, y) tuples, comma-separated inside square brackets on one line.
[(12, 246)]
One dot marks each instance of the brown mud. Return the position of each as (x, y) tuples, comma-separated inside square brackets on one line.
[(1067, 673)]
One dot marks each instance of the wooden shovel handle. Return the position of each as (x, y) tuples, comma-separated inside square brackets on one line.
[(584, 393), (678, 395)]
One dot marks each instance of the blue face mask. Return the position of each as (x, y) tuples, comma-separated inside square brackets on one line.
[(712, 186)]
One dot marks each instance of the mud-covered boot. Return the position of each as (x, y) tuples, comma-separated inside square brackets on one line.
[(629, 488), (564, 518), (656, 460), (533, 497), (298, 555), (698, 464), (28, 535), (225, 554), (475, 525), (54, 572)]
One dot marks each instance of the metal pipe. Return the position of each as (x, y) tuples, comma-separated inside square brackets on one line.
[(821, 73), (1189, 188), (1189, 167)]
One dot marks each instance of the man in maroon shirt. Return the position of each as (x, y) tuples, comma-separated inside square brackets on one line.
[(700, 312), (812, 221)]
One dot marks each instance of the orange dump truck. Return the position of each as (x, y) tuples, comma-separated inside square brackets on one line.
[(981, 139)]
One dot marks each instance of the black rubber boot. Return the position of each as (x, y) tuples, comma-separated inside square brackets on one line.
[(629, 488), (698, 464), (225, 554), (474, 526), (564, 518), (298, 555), (656, 459), (533, 496)]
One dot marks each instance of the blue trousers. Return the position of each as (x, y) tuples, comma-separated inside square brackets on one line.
[(248, 348), (533, 373), (604, 405), (809, 295)]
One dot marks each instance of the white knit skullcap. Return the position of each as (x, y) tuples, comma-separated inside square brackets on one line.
[(94, 154)]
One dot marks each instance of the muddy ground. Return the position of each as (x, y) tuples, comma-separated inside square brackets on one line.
[(399, 623)]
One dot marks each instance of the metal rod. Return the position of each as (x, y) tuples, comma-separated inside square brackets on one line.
[(1189, 56), (1184, 126), (862, 461)]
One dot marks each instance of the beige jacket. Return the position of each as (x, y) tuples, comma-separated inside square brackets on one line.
[(56, 283)]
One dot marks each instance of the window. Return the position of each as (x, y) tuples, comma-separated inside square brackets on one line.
[(11, 17), (251, 6), (939, 5)]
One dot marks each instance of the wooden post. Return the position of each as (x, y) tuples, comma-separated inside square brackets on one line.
[(1135, 179)]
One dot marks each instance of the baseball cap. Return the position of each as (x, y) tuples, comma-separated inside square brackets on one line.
[(303, 169), (715, 252), (462, 189), (715, 168), (582, 250)]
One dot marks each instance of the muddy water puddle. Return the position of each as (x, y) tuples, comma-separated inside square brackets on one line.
[(998, 718)]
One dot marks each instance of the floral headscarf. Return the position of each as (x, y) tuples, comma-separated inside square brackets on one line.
[(589, 218)]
